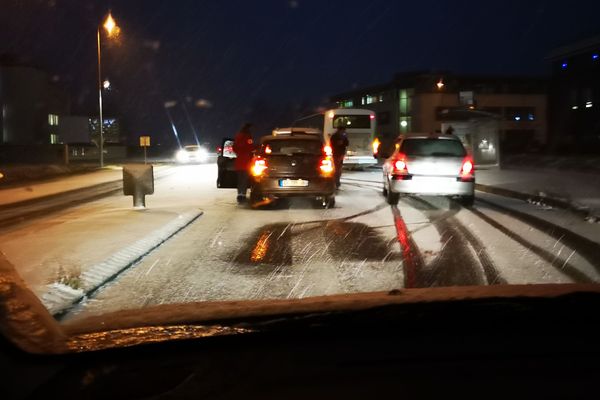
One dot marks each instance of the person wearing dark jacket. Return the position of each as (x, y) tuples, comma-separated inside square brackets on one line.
[(243, 146), (339, 143)]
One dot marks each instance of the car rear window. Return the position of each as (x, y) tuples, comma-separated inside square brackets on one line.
[(294, 146), (433, 148)]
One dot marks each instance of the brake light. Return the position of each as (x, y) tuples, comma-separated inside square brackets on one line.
[(268, 150), (327, 150), (467, 167), (376, 144), (259, 166), (372, 116), (400, 166), (326, 166)]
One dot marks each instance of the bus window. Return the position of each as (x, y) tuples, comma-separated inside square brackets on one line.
[(352, 121)]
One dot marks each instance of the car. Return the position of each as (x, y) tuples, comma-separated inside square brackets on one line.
[(429, 164), (293, 162), (192, 154)]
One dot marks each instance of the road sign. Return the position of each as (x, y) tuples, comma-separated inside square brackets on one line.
[(144, 141)]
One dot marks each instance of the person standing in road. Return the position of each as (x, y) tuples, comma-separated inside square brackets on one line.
[(243, 146), (339, 143)]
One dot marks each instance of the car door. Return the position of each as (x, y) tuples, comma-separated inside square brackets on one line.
[(227, 177)]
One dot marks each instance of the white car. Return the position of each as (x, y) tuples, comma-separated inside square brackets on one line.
[(429, 164), (192, 154)]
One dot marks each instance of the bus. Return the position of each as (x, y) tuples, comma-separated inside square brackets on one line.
[(360, 129)]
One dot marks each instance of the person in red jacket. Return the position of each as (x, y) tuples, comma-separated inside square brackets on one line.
[(243, 146)]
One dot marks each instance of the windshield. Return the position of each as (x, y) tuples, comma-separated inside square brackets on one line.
[(294, 146), (432, 147), (147, 164)]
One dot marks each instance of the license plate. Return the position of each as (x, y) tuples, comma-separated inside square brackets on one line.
[(293, 183)]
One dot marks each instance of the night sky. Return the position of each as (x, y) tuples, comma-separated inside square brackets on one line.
[(270, 61)]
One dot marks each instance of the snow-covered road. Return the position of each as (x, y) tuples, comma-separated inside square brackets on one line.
[(293, 250)]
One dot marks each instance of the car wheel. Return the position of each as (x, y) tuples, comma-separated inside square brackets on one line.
[(467, 201), (255, 196), (393, 198)]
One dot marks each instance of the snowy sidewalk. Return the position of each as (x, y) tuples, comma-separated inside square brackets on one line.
[(579, 191), (67, 255), (61, 185)]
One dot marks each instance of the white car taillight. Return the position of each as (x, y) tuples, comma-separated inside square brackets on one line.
[(399, 165)]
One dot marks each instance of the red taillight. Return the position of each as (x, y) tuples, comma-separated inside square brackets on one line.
[(327, 150), (371, 116), (467, 167), (326, 166), (268, 150), (259, 166), (400, 166)]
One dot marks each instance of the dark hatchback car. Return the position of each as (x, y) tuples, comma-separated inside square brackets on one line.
[(291, 162)]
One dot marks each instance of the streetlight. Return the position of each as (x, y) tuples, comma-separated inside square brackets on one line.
[(112, 30), (440, 85)]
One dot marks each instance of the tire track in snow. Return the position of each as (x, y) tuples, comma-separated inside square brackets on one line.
[(566, 268)]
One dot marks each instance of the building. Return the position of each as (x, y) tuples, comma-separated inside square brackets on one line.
[(74, 129), (423, 101), (111, 130), (30, 106), (574, 97)]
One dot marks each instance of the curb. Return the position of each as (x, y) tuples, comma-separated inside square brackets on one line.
[(60, 298), (551, 201)]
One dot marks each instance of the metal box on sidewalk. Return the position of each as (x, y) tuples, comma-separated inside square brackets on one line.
[(138, 181)]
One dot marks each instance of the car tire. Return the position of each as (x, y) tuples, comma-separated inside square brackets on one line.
[(255, 196), (393, 198), (467, 201)]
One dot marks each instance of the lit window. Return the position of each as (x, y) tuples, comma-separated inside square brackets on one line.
[(53, 138), (517, 118), (370, 99), (52, 120), (574, 107), (588, 104), (531, 117), (595, 56), (564, 65)]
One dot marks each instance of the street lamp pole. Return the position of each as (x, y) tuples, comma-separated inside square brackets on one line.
[(111, 29), (101, 121)]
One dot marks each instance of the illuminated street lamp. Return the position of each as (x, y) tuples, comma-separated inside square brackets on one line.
[(111, 28), (440, 85)]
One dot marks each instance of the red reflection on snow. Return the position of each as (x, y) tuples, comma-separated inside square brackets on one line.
[(411, 260)]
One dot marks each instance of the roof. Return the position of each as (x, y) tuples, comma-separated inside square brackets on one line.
[(295, 131), (295, 136), (425, 81), (417, 135), (573, 49)]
